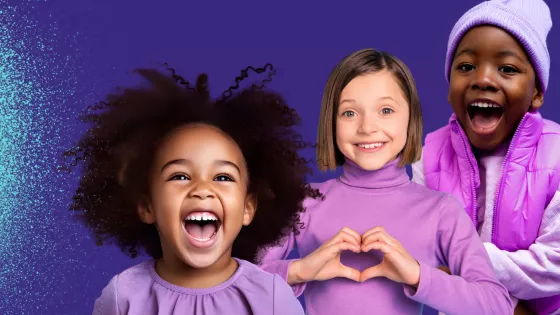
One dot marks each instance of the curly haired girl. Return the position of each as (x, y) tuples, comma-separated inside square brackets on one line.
[(201, 186)]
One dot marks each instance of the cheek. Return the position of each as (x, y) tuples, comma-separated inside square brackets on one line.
[(233, 202), (166, 201), (344, 132), (456, 90), (398, 130)]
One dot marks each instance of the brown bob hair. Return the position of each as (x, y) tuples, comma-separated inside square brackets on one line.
[(359, 63)]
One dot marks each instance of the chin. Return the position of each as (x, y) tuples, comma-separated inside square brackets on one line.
[(201, 261), (486, 142), (370, 165)]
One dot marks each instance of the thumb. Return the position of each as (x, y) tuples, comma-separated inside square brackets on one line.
[(350, 273), (371, 272)]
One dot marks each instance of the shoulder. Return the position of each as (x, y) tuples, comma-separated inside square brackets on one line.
[(547, 146), (255, 273), (136, 275), (323, 187), (433, 196), (441, 134), (436, 201), (265, 279), (133, 280), (121, 287), (550, 127)]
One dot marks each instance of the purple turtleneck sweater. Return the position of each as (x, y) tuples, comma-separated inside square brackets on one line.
[(430, 225)]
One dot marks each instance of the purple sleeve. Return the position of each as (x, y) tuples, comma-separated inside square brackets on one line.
[(473, 287), (285, 303), (274, 261), (106, 304), (535, 272)]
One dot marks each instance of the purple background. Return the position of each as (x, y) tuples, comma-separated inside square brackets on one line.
[(103, 40)]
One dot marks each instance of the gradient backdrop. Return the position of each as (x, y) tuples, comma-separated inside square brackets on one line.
[(57, 57)]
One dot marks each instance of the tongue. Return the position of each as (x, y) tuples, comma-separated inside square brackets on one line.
[(202, 232), (486, 118)]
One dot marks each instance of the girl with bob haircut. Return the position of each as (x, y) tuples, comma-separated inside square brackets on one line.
[(375, 240)]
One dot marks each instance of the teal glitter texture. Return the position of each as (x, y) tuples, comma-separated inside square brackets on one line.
[(35, 84)]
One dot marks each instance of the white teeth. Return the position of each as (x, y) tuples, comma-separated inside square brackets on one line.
[(484, 105), (371, 145), (203, 217)]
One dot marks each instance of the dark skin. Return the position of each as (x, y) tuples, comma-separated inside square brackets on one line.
[(490, 64)]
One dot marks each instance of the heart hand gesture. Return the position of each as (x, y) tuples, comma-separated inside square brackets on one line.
[(397, 265), (324, 263)]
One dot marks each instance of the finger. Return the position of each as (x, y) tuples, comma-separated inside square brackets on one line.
[(349, 273), (383, 247), (377, 237), (386, 236), (373, 230), (355, 234), (371, 272), (335, 249), (344, 236)]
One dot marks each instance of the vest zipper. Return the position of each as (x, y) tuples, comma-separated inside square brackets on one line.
[(474, 201), (498, 195)]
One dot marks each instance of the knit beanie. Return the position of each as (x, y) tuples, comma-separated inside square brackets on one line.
[(527, 20)]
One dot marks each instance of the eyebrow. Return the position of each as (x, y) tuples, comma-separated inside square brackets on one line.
[(509, 53), (465, 51), (503, 53), (186, 162), (379, 99)]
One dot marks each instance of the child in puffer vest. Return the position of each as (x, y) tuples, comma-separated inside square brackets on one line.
[(497, 155)]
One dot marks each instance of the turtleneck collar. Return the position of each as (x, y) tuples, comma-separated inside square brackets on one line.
[(389, 176)]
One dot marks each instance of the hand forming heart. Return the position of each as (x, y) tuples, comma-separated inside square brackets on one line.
[(324, 263)]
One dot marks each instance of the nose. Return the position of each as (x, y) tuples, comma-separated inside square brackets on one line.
[(485, 79), (368, 124), (201, 190)]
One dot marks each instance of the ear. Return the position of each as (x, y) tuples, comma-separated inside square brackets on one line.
[(538, 99), (145, 211), (250, 208), (449, 96)]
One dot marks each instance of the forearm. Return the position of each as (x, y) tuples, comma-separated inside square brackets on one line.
[(527, 274), (455, 295), (473, 287), (535, 272), (275, 261)]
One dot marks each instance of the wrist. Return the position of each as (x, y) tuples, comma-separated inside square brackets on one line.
[(416, 282), (294, 273)]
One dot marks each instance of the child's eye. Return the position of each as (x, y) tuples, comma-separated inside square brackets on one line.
[(508, 69), (179, 177), (386, 111), (465, 67), (349, 113), (221, 178)]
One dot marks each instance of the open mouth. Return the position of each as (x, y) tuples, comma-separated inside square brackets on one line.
[(485, 115), (202, 228)]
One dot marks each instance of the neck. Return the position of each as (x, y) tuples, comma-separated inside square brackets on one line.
[(175, 271), (391, 175)]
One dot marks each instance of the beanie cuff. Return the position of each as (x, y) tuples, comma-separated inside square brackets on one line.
[(489, 13)]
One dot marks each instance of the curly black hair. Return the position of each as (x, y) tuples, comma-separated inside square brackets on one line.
[(117, 152)]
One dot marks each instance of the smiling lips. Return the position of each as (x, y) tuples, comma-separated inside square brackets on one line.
[(484, 115), (201, 228), (371, 146)]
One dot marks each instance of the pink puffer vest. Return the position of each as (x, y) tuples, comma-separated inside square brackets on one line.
[(530, 178)]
